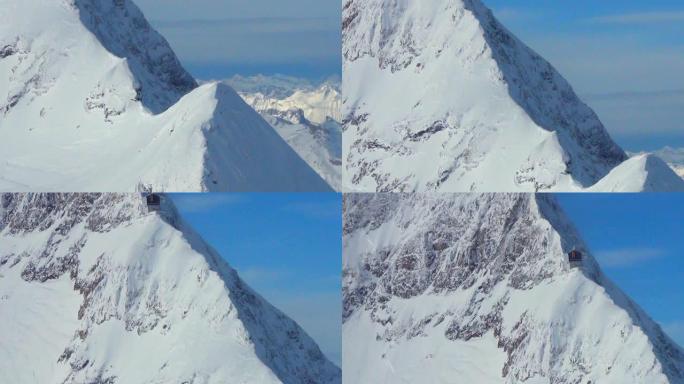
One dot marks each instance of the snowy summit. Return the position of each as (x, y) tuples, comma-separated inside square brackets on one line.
[(488, 289), (93, 99), (440, 96), (114, 289)]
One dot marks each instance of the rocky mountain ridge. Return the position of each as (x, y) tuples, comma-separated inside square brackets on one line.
[(480, 287), (100, 288), (440, 96)]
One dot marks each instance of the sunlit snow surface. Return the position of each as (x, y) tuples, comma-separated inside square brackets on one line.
[(97, 289), (472, 288), (306, 116), (439, 96), (95, 100), (674, 157)]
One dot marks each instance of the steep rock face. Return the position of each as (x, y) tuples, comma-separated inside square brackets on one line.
[(120, 30), (96, 100), (440, 96), (479, 287), (123, 30), (98, 289)]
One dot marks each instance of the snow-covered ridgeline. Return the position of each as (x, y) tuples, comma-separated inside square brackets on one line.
[(96, 100), (306, 116), (479, 287), (439, 96), (98, 288), (674, 157)]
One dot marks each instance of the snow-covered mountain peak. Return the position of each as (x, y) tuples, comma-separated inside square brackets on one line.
[(95, 100), (124, 31), (440, 96), (104, 289), (481, 287), (48, 33)]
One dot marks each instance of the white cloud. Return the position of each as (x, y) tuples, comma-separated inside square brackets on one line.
[(628, 257), (612, 63), (630, 84), (240, 34), (641, 18)]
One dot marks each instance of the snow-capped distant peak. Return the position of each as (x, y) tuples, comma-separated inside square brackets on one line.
[(281, 93), (306, 116)]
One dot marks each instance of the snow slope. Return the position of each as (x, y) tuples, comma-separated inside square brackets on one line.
[(97, 289), (439, 96), (93, 99), (306, 117), (646, 173), (470, 288), (674, 157)]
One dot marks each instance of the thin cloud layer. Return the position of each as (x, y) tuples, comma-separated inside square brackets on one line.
[(641, 18), (627, 67), (621, 258), (218, 39)]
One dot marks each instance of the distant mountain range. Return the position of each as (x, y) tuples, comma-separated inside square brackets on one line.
[(306, 114)]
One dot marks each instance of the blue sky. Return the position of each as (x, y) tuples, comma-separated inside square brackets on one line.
[(219, 38), (625, 58), (286, 246), (638, 240)]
